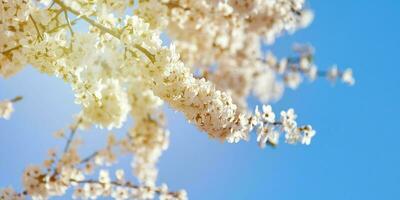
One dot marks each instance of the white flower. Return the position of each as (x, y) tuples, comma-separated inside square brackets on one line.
[(104, 177), (69, 173), (59, 134), (120, 193), (144, 193), (182, 195), (288, 119), (312, 72), (293, 80), (268, 115), (333, 73), (267, 135), (347, 77), (304, 64), (33, 181), (308, 134), (119, 174), (307, 16), (235, 137), (282, 66), (111, 109), (293, 136), (6, 108), (262, 136), (266, 86), (93, 190), (79, 193), (10, 194)]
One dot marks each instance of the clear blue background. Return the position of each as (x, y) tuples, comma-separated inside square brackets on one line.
[(355, 154)]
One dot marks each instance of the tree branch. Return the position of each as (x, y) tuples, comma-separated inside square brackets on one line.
[(103, 28)]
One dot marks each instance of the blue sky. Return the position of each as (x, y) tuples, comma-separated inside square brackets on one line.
[(353, 156)]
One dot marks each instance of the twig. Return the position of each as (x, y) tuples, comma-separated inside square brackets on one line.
[(74, 128), (157, 190), (90, 157), (51, 5), (11, 49), (57, 14), (69, 23), (16, 99), (171, 5), (36, 27), (293, 62), (73, 22), (103, 28)]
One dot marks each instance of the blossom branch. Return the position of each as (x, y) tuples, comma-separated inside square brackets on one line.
[(73, 22), (130, 185), (293, 67), (102, 28)]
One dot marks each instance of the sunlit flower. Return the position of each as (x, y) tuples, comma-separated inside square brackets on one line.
[(347, 77), (6, 108)]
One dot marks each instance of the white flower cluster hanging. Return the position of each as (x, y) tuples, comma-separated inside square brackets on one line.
[(120, 67)]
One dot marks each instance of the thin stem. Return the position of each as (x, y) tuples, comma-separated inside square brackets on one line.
[(171, 5), (73, 22), (293, 62), (149, 55), (36, 27), (103, 28), (277, 123), (16, 99), (127, 185), (51, 5), (57, 14), (11, 49), (70, 138), (74, 128), (68, 23), (90, 157), (87, 19)]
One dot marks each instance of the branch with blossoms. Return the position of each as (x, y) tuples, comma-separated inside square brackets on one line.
[(236, 51), (293, 68), (267, 72), (56, 176), (119, 68)]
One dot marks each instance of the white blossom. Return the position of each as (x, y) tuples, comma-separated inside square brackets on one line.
[(10, 194), (309, 133), (347, 77), (333, 73), (6, 109), (120, 193), (118, 65)]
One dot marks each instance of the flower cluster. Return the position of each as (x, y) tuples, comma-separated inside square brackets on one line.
[(292, 69), (65, 170), (14, 28), (269, 128), (7, 108), (10, 194), (119, 67), (196, 27)]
